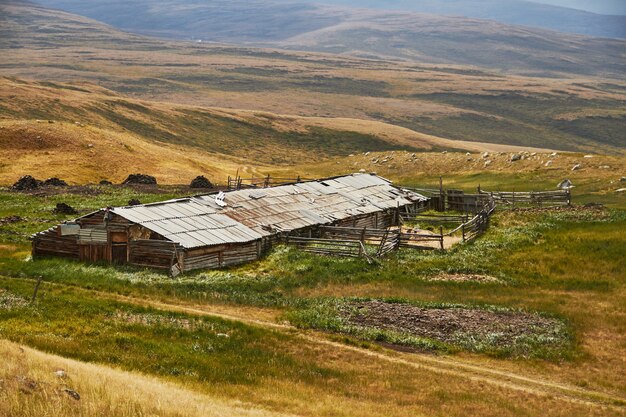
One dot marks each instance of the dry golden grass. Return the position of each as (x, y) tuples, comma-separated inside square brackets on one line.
[(492, 168), (89, 154), (78, 151), (31, 388), (372, 384), (307, 84)]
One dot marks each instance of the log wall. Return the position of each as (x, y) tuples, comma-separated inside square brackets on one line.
[(222, 256), (153, 253), (51, 243)]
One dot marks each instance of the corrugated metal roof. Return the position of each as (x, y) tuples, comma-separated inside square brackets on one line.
[(251, 214)]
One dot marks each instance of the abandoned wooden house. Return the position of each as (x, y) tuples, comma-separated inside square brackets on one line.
[(212, 231)]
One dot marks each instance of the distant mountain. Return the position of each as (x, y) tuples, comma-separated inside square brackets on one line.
[(336, 103), (362, 32), (515, 12)]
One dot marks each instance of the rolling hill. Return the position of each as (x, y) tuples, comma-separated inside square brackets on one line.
[(562, 18), (370, 33), (54, 129), (178, 109)]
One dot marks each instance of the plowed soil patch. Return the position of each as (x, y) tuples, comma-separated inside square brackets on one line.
[(503, 329)]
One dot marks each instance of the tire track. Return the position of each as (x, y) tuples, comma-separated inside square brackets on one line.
[(441, 365)]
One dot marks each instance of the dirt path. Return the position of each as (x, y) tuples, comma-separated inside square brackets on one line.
[(438, 364)]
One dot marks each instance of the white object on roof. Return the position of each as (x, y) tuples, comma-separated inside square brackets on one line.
[(219, 199)]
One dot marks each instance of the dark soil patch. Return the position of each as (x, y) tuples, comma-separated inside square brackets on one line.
[(10, 220), (63, 208), (26, 183), (201, 182), (455, 325), (54, 182), (140, 179)]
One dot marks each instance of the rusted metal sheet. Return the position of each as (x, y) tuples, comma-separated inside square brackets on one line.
[(250, 215)]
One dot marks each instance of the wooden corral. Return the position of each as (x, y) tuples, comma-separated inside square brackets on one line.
[(214, 231)]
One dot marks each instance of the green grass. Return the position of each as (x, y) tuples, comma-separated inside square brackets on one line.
[(76, 324), (537, 256), (523, 119), (554, 342)]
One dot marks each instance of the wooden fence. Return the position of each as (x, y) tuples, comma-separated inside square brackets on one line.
[(478, 224), (515, 199), (415, 240), (238, 183), (433, 219), (331, 247), (362, 234)]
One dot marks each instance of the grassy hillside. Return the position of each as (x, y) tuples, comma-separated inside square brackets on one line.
[(34, 388), (173, 331), (567, 17), (419, 37), (49, 129), (585, 114)]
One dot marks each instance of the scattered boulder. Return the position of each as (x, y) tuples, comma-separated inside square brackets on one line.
[(516, 157), (140, 179), (604, 167), (576, 167), (588, 156), (487, 162), (55, 182), (549, 163), (63, 208), (26, 183), (486, 155), (106, 182), (565, 184), (623, 179), (362, 170), (134, 202), (620, 190), (200, 182), (60, 373)]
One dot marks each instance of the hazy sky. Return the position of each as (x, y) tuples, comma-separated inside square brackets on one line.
[(597, 6)]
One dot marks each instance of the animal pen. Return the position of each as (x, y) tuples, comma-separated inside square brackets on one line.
[(229, 228), (358, 215)]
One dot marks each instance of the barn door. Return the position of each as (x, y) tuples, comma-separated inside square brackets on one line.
[(119, 247)]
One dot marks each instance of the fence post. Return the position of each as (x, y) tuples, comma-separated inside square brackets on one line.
[(569, 197), (441, 236), (442, 201), (463, 231), (32, 300), (397, 213)]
